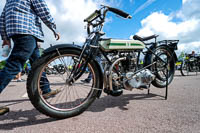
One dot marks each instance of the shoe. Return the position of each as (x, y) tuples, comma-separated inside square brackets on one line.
[(85, 81), (4, 110), (52, 93), (20, 80)]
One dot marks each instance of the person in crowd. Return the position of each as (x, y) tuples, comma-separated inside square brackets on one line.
[(19, 77)]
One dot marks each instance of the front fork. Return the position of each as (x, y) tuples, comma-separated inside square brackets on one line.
[(81, 65)]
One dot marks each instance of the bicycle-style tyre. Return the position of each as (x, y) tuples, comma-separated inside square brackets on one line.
[(160, 71), (184, 69), (71, 99)]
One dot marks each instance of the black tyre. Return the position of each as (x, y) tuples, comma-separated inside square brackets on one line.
[(160, 67), (72, 99), (196, 67), (184, 69)]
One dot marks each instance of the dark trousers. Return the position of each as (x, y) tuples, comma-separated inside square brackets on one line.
[(25, 47)]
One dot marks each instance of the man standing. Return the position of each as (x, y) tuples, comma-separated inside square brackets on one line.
[(20, 21)]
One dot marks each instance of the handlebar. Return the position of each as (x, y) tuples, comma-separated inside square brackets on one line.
[(97, 18), (98, 13), (119, 12)]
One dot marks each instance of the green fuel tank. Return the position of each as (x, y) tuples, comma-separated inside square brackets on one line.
[(118, 44)]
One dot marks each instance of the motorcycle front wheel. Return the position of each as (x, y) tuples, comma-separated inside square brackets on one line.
[(72, 98)]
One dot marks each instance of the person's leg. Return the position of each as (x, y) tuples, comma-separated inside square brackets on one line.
[(44, 81), (19, 77), (98, 58), (24, 46), (22, 50), (88, 79)]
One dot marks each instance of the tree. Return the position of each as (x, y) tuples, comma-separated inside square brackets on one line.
[(2, 64), (181, 56)]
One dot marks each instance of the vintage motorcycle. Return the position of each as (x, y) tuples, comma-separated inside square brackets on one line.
[(55, 69), (189, 65), (113, 64)]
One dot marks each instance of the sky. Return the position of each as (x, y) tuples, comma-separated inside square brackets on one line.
[(170, 19)]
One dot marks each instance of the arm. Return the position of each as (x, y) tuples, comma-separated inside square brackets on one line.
[(41, 9), (3, 26)]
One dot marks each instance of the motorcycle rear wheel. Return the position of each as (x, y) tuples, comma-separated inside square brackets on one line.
[(160, 69), (74, 98)]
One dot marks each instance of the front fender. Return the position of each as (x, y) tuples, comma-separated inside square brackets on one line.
[(61, 46)]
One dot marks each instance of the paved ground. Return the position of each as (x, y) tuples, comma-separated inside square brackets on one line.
[(133, 112)]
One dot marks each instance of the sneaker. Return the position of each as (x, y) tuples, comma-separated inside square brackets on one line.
[(85, 81), (20, 80), (4, 110), (52, 93)]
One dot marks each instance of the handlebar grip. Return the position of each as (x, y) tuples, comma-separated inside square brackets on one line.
[(119, 12)]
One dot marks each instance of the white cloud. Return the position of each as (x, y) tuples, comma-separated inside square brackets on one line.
[(187, 30), (188, 47), (69, 16), (184, 1), (163, 25)]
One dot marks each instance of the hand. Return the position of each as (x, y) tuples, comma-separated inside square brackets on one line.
[(6, 42), (57, 36)]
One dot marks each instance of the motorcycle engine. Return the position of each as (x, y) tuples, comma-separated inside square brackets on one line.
[(140, 80)]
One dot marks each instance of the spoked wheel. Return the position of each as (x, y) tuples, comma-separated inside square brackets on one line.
[(165, 63), (69, 98), (184, 69), (188, 69), (197, 70), (196, 67)]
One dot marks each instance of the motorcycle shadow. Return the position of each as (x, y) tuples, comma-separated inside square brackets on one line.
[(121, 102)]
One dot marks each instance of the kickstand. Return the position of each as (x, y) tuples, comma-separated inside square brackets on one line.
[(148, 90), (166, 91)]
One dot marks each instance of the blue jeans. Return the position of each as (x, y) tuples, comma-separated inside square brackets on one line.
[(98, 59), (25, 47), (89, 77)]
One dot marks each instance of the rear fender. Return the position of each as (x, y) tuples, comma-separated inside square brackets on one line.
[(172, 50), (147, 58)]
